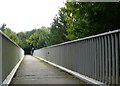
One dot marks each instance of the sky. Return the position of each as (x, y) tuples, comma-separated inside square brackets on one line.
[(25, 15)]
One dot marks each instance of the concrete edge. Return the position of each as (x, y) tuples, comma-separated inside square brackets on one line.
[(76, 74), (12, 73)]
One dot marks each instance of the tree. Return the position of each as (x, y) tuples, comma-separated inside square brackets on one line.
[(12, 35), (40, 38), (85, 19), (58, 29), (23, 36), (2, 27)]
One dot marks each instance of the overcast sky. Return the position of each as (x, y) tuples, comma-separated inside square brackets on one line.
[(25, 15)]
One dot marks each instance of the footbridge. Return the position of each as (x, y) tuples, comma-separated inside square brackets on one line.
[(90, 60)]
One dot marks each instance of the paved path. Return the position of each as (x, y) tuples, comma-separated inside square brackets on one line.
[(34, 71)]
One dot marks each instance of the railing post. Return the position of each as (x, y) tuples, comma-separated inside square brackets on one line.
[(117, 56), (0, 58), (119, 60), (106, 59), (98, 61), (87, 57), (109, 59), (90, 55), (103, 58), (113, 59), (95, 45), (100, 58)]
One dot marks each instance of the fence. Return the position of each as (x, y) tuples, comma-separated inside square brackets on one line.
[(96, 56), (10, 54)]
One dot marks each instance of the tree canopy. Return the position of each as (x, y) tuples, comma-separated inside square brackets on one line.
[(75, 20), (84, 19)]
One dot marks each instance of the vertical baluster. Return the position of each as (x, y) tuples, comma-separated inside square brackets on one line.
[(92, 59), (98, 67), (113, 59), (116, 54), (100, 59), (89, 58), (94, 41), (85, 56), (103, 56), (119, 59), (106, 59), (110, 59)]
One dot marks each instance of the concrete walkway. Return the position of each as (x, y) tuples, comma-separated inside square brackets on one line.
[(34, 71)]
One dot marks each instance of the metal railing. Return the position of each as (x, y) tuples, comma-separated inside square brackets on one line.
[(96, 56), (10, 55)]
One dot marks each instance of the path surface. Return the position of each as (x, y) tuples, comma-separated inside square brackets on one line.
[(34, 71)]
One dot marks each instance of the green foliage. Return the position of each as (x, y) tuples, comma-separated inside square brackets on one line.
[(84, 19), (73, 21), (2, 27), (39, 38), (58, 29), (12, 35), (22, 37)]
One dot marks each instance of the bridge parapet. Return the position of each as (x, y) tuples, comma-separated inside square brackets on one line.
[(10, 55), (96, 57)]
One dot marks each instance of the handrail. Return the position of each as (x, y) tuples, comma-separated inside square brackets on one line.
[(95, 56), (10, 55), (9, 39), (89, 37)]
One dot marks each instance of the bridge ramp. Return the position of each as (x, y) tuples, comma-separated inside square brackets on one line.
[(34, 71)]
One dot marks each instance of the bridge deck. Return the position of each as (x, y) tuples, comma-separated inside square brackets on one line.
[(34, 71)]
